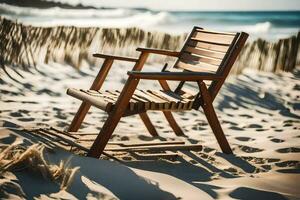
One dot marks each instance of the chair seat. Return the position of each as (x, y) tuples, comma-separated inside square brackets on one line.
[(142, 100)]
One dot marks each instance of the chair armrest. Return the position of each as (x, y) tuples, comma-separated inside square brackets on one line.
[(106, 56), (176, 76), (160, 51)]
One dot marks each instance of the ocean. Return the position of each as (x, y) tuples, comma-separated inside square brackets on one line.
[(269, 25)]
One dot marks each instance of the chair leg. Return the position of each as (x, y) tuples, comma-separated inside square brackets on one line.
[(79, 117), (170, 118), (150, 127), (212, 119), (84, 107), (118, 111), (113, 119)]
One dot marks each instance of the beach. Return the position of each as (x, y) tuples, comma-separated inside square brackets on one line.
[(258, 107), (260, 120)]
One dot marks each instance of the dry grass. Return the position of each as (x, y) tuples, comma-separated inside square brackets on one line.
[(16, 157)]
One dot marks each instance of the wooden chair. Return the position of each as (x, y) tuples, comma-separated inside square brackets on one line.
[(205, 56)]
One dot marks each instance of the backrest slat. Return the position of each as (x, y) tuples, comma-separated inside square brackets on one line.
[(208, 46), (205, 52), (197, 59), (202, 67), (214, 38)]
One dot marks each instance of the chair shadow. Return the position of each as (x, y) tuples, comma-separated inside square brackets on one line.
[(119, 179), (199, 171), (242, 95)]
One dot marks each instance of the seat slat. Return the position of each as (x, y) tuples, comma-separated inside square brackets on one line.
[(160, 102), (142, 100), (205, 52), (213, 37), (172, 101), (102, 104), (153, 102), (193, 59)]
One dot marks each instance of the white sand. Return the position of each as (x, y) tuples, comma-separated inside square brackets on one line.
[(259, 114)]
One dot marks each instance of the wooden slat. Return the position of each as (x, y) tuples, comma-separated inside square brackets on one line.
[(97, 102), (155, 156), (142, 95), (212, 37), (183, 104), (145, 103), (209, 46), (118, 111), (85, 106), (131, 144), (193, 147), (214, 32), (162, 103), (193, 59), (205, 52), (201, 67), (173, 101), (133, 104)]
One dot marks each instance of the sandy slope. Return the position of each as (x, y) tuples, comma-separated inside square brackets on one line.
[(259, 113)]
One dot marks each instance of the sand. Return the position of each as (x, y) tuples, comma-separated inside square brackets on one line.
[(259, 112)]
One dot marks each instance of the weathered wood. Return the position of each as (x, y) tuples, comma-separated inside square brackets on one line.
[(127, 144), (63, 132), (206, 56), (159, 51), (150, 127), (198, 59), (84, 107), (106, 56), (208, 46), (168, 115), (70, 142), (176, 76), (89, 100), (199, 29), (212, 118), (205, 52), (213, 37), (232, 54), (187, 147), (154, 156), (199, 67)]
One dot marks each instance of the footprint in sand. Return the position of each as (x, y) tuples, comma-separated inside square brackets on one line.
[(16, 114), (248, 149), (257, 126), (244, 139), (289, 150), (289, 163), (25, 119), (247, 116), (236, 128), (277, 140)]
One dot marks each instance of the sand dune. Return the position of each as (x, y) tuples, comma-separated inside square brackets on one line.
[(259, 113)]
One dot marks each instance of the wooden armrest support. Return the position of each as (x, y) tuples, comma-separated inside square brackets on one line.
[(112, 57), (159, 51), (176, 76)]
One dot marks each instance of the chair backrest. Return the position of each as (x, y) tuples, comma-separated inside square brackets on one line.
[(210, 51)]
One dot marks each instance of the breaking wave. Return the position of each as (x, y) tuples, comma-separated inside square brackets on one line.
[(55, 16), (259, 27)]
